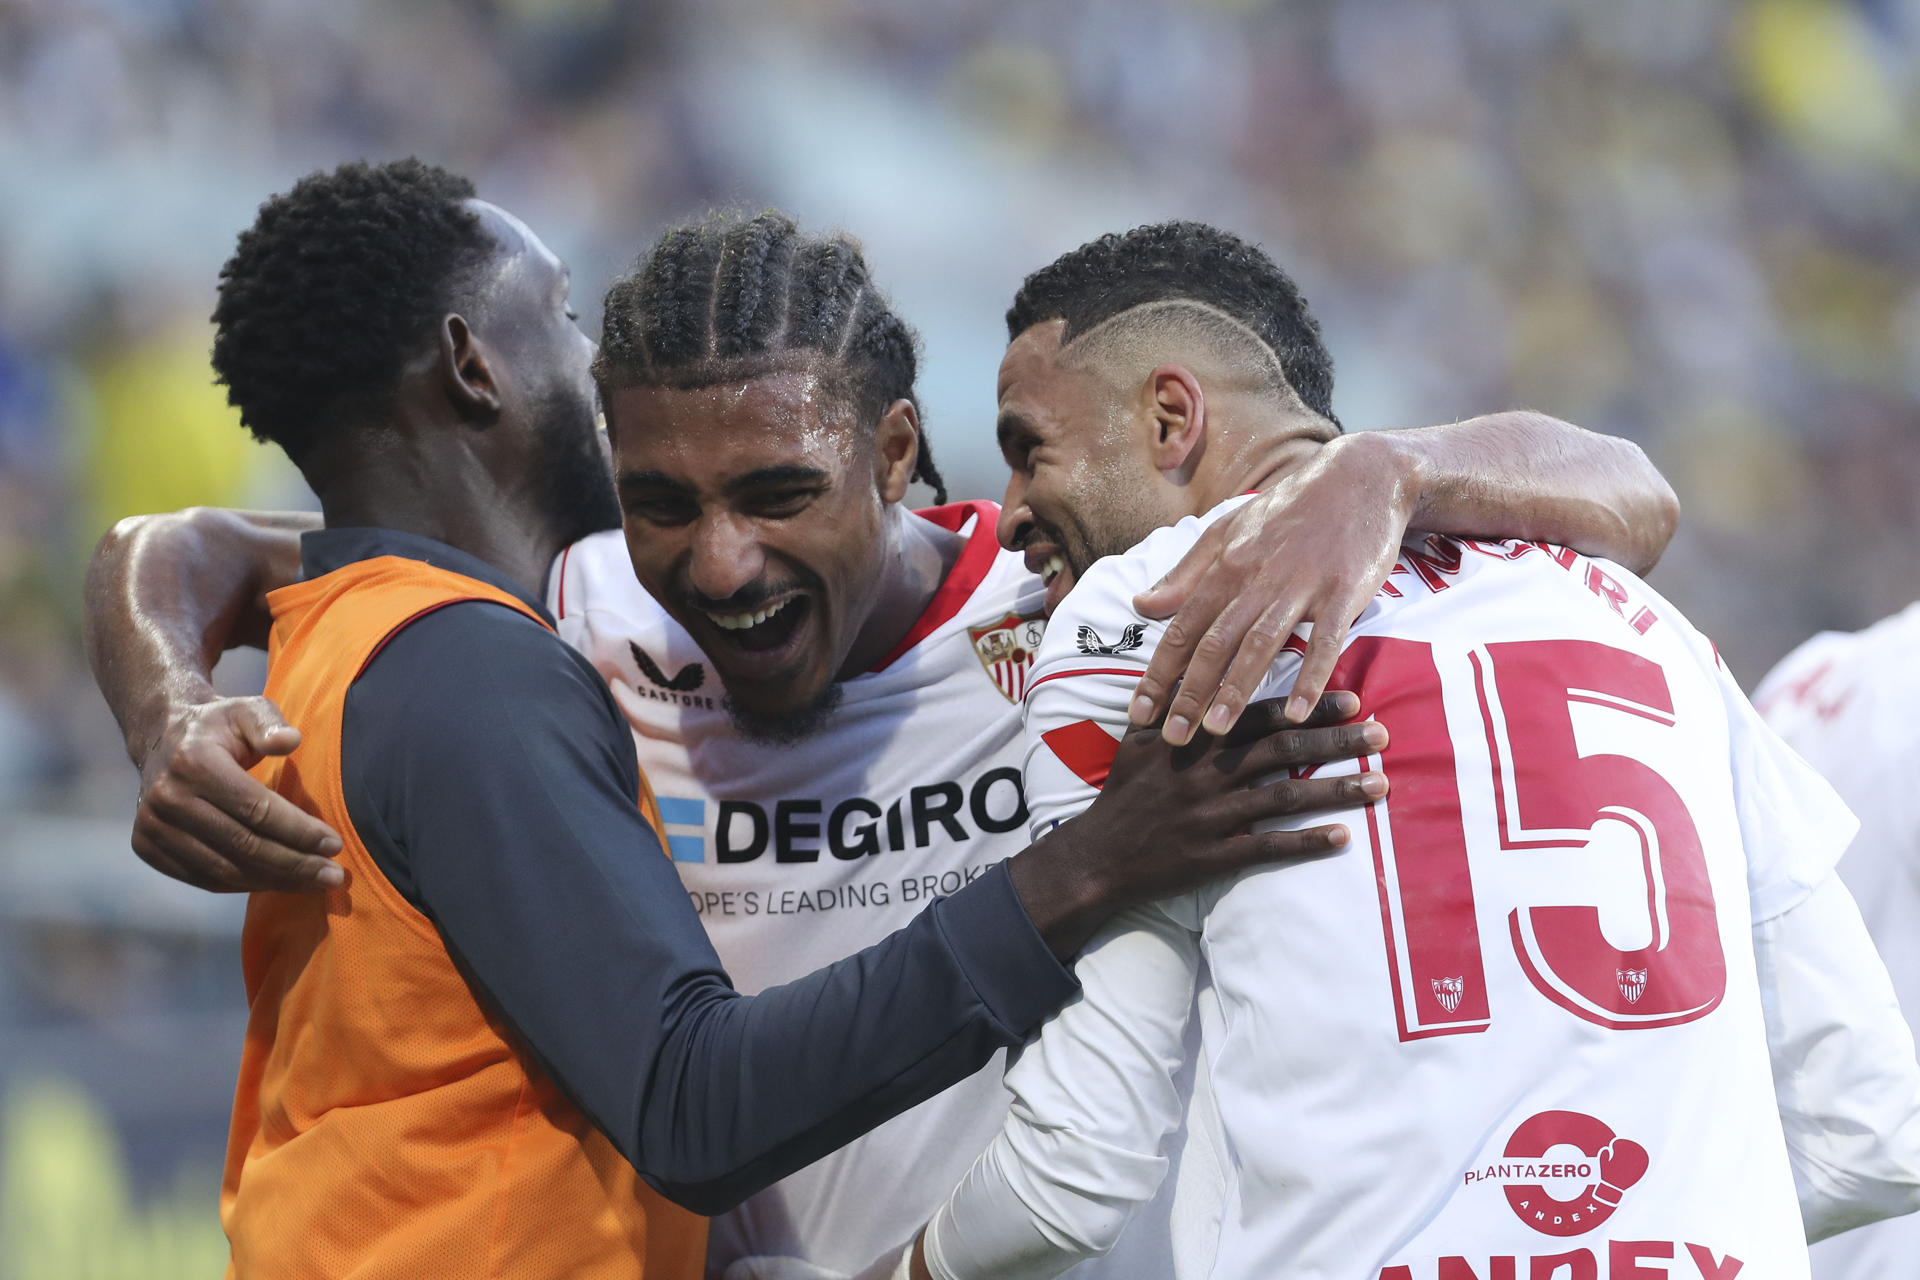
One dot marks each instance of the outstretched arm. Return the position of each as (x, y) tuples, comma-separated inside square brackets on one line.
[(1317, 546), (165, 595)]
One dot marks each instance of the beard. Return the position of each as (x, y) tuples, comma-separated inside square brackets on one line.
[(571, 482), (1104, 524), (788, 728)]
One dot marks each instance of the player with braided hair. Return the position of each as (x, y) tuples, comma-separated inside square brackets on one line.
[(759, 396), (731, 301)]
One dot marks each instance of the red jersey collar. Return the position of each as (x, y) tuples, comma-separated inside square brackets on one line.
[(968, 572)]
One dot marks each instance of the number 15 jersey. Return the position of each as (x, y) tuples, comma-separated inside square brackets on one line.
[(1514, 1030)]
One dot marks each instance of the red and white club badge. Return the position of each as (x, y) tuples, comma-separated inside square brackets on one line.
[(1611, 1165), (1006, 649)]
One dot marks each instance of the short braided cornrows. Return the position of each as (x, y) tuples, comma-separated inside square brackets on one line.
[(332, 286), (730, 299), (1182, 260)]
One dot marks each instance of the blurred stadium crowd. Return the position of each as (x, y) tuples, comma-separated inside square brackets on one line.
[(1690, 222)]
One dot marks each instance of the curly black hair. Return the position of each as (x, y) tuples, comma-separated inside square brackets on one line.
[(1182, 260), (332, 286), (729, 299)]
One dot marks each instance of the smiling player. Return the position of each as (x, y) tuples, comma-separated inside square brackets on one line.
[(1528, 1031), (760, 397)]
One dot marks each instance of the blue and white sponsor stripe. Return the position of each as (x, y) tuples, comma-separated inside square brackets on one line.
[(685, 818)]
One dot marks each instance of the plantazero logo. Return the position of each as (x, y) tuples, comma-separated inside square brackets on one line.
[(1565, 1172)]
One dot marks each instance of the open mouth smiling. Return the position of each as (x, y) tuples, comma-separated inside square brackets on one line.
[(766, 629)]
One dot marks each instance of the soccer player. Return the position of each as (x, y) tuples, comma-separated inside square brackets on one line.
[(1528, 1032), (1846, 702), (827, 758), (457, 1057)]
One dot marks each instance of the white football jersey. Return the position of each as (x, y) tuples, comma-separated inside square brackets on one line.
[(799, 856), (1850, 704), (1515, 1029)]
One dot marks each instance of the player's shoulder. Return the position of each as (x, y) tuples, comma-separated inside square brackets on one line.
[(1109, 585), (1822, 681), (595, 575), (1892, 637), (1155, 555), (1097, 621), (473, 658), (987, 583)]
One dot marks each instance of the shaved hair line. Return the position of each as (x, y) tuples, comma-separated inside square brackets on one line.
[(1192, 320)]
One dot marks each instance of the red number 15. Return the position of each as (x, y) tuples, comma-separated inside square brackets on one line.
[(1546, 797)]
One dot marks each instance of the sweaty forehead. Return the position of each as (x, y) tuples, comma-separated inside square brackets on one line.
[(779, 419)]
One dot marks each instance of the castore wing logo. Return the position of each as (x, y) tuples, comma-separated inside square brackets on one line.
[(1132, 636), (685, 680)]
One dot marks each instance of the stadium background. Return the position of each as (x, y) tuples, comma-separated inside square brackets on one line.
[(1690, 222)]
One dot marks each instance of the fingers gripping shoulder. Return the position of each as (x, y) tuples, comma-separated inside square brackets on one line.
[(1097, 620)]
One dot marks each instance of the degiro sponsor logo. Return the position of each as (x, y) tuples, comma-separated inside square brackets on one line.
[(800, 829)]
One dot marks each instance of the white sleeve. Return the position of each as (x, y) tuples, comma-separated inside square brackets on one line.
[(1792, 823), (1093, 1102), (1843, 1064), (1094, 1096)]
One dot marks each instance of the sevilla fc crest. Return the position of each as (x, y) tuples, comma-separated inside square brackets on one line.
[(1006, 649), (1633, 984), (1448, 992)]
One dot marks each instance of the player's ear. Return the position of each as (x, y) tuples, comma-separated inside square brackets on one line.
[(1177, 420), (896, 447), (465, 371)]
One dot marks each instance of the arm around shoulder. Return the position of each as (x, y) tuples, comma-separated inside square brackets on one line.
[(1522, 474), (165, 595)]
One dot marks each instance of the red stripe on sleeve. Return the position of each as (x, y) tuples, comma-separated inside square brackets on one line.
[(1086, 671), (1085, 748)]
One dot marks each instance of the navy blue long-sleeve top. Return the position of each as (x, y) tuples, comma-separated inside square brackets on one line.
[(489, 773)]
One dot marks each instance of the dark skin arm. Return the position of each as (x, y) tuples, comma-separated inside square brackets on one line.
[(166, 595), (204, 820), (1317, 545)]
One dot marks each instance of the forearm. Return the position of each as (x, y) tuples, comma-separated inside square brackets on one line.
[(1526, 475), (746, 1090), (1843, 1064), (1093, 1100), (986, 1229), (167, 594)]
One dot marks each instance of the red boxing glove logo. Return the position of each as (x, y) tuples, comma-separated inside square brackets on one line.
[(1614, 1165), (1622, 1163)]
